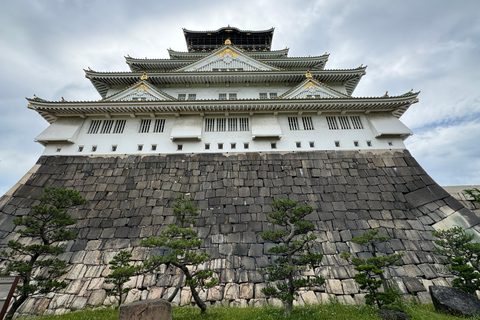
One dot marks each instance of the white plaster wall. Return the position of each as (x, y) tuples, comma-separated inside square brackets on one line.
[(321, 137)]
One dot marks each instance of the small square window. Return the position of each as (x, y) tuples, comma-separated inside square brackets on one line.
[(179, 147), (233, 146), (140, 147), (299, 144), (220, 146), (369, 143), (337, 144), (355, 143), (114, 148), (232, 96), (207, 146), (312, 144), (192, 96), (273, 145), (94, 148), (59, 149), (182, 96), (222, 96), (245, 145), (273, 95), (390, 143), (154, 147), (80, 148)]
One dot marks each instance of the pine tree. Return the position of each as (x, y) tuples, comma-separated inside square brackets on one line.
[(45, 227)]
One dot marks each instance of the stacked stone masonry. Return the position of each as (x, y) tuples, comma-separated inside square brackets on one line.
[(131, 197)]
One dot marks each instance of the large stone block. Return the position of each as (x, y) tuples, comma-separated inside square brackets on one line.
[(146, 310)]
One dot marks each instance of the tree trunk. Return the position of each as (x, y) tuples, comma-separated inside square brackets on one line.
[(177, 288), (15, 307), (195, 295)]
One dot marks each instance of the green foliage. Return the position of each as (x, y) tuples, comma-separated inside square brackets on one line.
[(45, 227), (474, 193), (182, 244), (293, 251), (463, 256), (370, 276), (122, 271)]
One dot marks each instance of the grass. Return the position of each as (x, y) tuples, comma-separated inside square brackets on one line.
[(331, 311)]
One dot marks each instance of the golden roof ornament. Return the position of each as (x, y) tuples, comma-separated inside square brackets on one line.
[(144, 77), (308, 75), (228, 41), (386, 94), (63, 99), (35, 96)]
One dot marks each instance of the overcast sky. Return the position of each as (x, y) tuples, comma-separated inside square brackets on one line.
[(430, 45)]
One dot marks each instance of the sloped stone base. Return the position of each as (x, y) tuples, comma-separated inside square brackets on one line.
[(130, 199)]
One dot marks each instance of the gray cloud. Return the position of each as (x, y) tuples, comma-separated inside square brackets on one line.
[(432, 46)]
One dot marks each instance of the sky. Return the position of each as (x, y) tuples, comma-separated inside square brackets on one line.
[(432, 46)]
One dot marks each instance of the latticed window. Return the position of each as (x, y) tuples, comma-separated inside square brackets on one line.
[(221, 124), (293, 123), (244, 124), (356, 122), (232, 96), (307, 123), (222, 96), (209, 124), (159, 125), (332, 123), (94, 126), (107, 126), (119, 126), (232, 124), (344, 123), (273, 95), (182, 96), (145, 125), (192, 96), (263, 95)]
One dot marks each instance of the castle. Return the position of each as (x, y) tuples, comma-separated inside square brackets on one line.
[(236, 125)]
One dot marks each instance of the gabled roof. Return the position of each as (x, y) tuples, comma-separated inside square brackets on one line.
[(311, 88), (228, 57), (255, 54), (142, 90)]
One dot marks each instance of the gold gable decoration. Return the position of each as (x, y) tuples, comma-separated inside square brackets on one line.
[(227, 51), (228, 41)]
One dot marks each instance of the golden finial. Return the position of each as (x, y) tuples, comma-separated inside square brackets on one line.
[(144, 77), (308, 75), (63, 99), (228, 41), (35, 96), (89, 69), (361, 66), (386, 94), (411, 90)]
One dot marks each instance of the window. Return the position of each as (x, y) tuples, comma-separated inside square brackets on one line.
[(119, 126), (232, 96), (293, 123), (107, 126), (355, 143), (332, 123), (356, 123), (226, 124), (273, 95), (233, 145), (344, 123), (154, 147), (179, 147), (313, 96), (59, 149), (307, 123), (273, 145), (220, 146), (369, 143), (209, 124), (299, 144), (159, 125), (139, 98), (80, 148), (312, 144), (222, 96), (114, 148), (94, 126), (207, 146), (263, 95), (182, 96), (145, 125), (245, 145), (140, 147), (337, 144), (192, 96), (94, 148)]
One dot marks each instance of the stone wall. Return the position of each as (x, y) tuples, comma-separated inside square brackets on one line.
[(130, 199)]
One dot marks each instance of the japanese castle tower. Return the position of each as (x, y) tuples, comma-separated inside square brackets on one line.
[(236, 125)]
